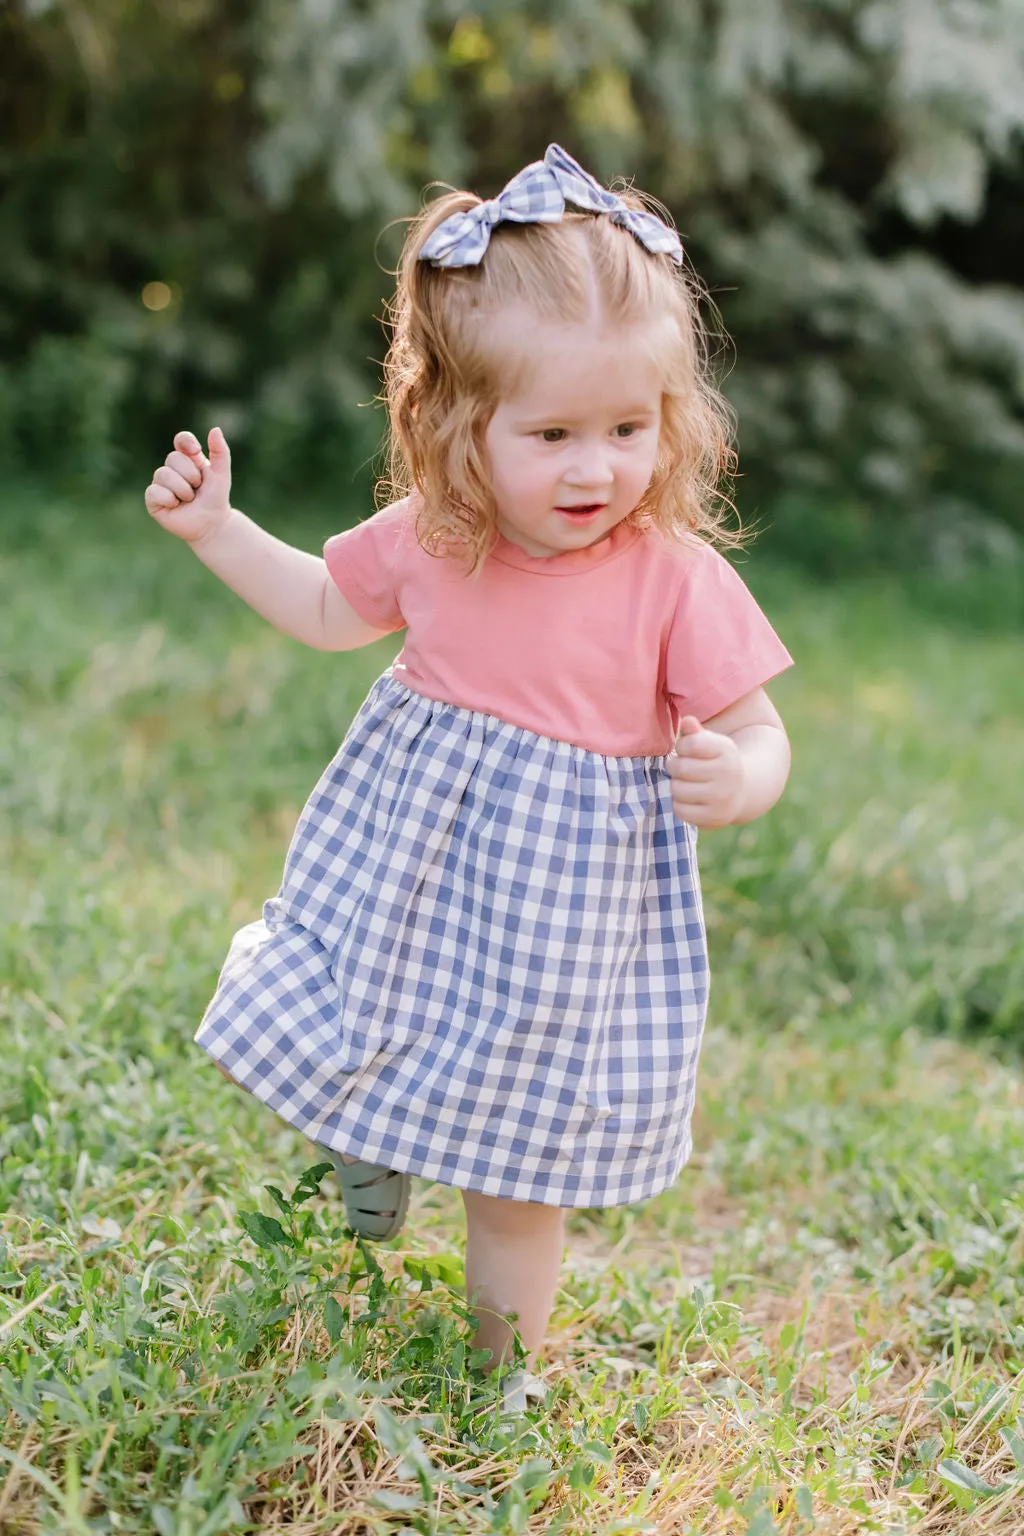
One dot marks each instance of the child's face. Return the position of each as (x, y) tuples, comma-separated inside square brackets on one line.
[(573, 449)]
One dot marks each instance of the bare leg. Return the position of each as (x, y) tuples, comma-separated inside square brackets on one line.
[(513, 1254)]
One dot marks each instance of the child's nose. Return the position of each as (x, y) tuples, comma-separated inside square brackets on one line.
[(590, 467)]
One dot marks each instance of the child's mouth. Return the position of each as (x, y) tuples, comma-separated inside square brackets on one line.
[(588, 509)]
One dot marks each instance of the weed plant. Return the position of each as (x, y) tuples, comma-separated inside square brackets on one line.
[(820, 1328)]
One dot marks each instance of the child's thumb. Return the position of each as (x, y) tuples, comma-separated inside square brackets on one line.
[(220, 453), (689, 725)]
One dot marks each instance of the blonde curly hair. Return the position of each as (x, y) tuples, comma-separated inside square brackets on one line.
[(444, 374)]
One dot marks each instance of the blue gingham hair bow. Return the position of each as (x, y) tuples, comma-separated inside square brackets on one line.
[(538, 195)]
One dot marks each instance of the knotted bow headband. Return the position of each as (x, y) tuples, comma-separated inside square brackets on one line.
[(538, 195)]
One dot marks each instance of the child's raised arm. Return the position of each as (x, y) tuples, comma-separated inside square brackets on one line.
[(190, 496)]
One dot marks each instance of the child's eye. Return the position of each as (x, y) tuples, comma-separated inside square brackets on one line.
[(625, 429), (553, 434)]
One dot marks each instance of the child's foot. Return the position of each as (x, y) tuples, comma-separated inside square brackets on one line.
[(376, 1199)]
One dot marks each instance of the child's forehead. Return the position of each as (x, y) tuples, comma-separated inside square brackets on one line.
[(557, 367)]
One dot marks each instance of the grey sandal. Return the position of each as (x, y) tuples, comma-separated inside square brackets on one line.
[(376, 1199)]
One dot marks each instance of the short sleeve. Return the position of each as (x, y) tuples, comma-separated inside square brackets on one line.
[(365, 565), (720, 645)]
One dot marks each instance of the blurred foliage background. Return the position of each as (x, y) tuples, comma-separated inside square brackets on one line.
[(196, 196)]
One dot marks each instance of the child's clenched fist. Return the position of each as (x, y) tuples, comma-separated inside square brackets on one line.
[(190, 494), (708, 776)]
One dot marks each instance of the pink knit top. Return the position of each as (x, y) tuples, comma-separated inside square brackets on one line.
[(604, 647)]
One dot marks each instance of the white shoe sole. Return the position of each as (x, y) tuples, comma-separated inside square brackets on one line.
[(518, 1389)]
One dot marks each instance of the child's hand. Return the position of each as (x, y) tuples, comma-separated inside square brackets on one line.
[(190, 495), (708, 776)]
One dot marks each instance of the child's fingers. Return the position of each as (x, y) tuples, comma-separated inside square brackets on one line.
[(703, 744), (696, 815), (697, 793), (692, 770), (187, 442), (160, 500), (187, 467), (172, 481)]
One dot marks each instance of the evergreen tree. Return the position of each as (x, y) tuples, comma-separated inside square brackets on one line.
[(192, 201)]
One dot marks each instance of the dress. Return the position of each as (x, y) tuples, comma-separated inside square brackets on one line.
[(486, 964)]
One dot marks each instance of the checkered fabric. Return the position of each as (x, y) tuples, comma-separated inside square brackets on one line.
[(537, 195), (486, 963)]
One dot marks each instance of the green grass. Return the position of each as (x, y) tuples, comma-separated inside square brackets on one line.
[(820, 1328)]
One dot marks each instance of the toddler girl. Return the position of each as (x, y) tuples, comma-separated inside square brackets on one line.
[(486, 963)]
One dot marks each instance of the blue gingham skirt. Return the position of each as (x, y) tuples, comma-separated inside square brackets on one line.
[(486, 964)]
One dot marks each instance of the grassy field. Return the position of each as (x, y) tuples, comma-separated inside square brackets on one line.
[(820, 1328)]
